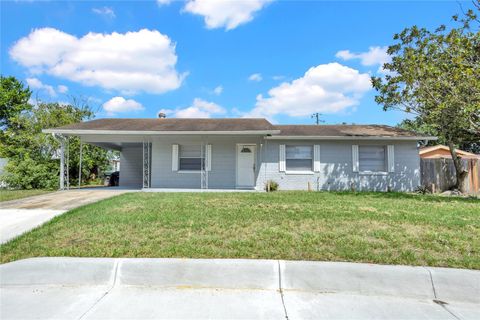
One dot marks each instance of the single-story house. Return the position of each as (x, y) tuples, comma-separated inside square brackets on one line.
[(246, 153), (443, 152)]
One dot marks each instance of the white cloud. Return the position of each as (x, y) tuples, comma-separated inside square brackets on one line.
[(326, 88), (130, 62), (120, 104), (225, 14), (35, 83), (199, 109), (164, 2), (218, 90), (374, 56), (276, 78), (62, 89), (104, 11), (255, 77)]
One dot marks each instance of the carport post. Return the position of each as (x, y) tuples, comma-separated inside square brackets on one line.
[(80, 166), (62, 162)]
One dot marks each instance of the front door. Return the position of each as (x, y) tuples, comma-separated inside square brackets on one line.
[(245, 165)]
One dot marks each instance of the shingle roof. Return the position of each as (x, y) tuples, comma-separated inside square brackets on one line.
[(233, 125), (370, 130), (173, 124)]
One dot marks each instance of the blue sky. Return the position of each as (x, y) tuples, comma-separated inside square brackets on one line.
[(282, 60)]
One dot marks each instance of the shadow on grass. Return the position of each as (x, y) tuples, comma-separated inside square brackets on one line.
[(367, 194), (401, 195)]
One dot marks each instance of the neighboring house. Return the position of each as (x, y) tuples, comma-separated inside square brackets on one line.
[(246, 153), (441, 151), (438, 172)]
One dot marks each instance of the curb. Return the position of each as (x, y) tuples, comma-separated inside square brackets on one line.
[(430, 283)]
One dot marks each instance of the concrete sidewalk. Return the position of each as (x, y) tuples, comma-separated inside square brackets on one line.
[(90, 288)]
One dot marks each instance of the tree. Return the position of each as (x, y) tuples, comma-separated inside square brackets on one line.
[(435, 75), (31, 153), (13, 99), (417, 126)]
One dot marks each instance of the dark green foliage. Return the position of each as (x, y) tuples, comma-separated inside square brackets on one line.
[(33, 155), (13, 100), (435, 75), (469, 145)]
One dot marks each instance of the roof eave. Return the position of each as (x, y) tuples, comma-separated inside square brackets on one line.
[(74, 132), (414, 138)]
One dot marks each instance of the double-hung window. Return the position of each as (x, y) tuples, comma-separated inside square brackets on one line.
[(299, 158), (192, 158), (372, 158)]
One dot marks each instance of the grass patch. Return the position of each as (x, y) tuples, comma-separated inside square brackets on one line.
[(7, 195), (388, 228)]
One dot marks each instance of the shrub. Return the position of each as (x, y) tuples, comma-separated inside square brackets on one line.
[(271, 185), (29, 174)]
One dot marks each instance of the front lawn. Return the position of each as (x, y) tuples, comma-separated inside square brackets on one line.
[(388, 228), (6, 194)]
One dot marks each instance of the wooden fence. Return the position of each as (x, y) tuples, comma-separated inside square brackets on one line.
[(439, 175)]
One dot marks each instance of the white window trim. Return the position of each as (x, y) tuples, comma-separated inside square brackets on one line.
[(316, 158), (355, 160), (208, 157), (175, 158), (391, 158), (282, 165), (292, 172), (373, 173)]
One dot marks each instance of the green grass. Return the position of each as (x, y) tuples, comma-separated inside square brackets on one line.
[(387, 228), (6, 195)]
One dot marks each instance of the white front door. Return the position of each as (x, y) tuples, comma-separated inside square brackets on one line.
[(245, 165)]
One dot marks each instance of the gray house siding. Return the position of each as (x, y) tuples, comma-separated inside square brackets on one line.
[(336, 169), (131, 171), (223, 171)]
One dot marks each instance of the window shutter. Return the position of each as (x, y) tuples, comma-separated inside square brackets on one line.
[(316, 158), (391, 158), (208, 158), (281, 158), (174, 157), (355, 158)]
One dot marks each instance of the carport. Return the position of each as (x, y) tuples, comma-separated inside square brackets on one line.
[(135, 156)]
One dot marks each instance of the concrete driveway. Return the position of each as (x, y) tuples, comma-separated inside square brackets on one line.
[(90, 288), (22, 215)]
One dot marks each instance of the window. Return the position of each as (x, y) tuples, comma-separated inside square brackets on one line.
[(372, 158), (298, 158), (191, 158)]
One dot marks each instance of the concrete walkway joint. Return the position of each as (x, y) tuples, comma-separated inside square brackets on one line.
[(107, 288)]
